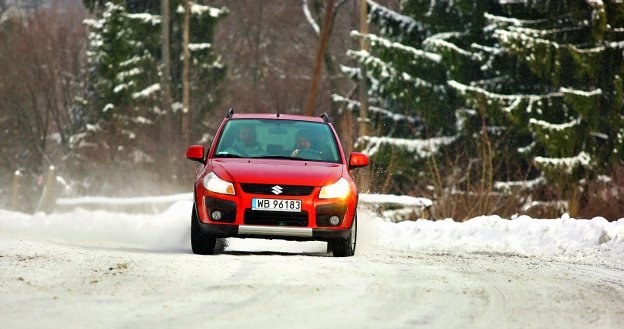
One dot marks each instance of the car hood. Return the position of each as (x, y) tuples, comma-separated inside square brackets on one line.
[(286, 172)]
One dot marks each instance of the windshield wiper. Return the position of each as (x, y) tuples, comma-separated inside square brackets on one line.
[(283, 157), (227, 155), (274, 157)]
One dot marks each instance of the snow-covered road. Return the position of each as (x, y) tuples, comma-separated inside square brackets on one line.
[(107, 270)]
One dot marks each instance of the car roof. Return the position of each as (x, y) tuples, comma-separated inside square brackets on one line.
[(274, 116)]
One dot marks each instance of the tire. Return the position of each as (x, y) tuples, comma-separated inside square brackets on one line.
[(345, 247), (201, 243)]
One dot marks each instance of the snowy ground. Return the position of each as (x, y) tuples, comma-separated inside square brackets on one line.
[(103, 269)]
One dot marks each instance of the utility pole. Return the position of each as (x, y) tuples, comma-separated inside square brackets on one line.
[(364, 121), (316, 76), (186, 115)]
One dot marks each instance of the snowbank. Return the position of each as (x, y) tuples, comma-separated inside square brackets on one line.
[(169, 231)]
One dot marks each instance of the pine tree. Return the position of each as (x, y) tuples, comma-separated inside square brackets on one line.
[(534, 87), (562, 91), (124, 58), (412, 57)]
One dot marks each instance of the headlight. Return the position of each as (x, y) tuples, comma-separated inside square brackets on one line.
[(338, 190), (213, 183)]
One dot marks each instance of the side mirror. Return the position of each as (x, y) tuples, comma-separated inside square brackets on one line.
[(195, 153), (357, 160)]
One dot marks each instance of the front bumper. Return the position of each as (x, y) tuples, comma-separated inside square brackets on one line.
[(273, 232)]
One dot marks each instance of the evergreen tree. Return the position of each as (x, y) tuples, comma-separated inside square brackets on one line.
[(562, 90), (415, 111), (124, 58), (533, 87)]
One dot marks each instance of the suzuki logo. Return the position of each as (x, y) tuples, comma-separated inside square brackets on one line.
[(277, 189)]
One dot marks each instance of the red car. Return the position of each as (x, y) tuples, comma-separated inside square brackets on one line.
[(275, 176)]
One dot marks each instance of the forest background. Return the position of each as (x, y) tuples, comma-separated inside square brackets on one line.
[(485, 107)]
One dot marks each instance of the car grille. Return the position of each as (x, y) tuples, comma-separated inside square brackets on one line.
[(275, 218), (285, 189)]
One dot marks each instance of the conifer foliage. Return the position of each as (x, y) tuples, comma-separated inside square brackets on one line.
[(124, 54), (531, 86)]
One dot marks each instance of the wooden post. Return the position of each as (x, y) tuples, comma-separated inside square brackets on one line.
[(364, 121), (366, 174), (16, 186), (186, 114), (165, 75), (48, 196)]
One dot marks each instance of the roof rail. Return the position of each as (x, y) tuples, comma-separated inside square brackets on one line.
[(230, 113), (325, 117)]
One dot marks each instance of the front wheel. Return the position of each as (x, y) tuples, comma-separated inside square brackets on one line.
[(345, 247), (201, 243)]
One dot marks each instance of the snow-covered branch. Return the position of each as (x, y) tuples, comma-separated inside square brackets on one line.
[(522, 185), (374, 39), (310, 19), (147, 91), (406, 23), (200, 10), (354, 105), (507, 36), (440, 40), (386, 70), (554, 126), (146, 18), (465, 89), (567, 164), (502, 20), (422, 147)]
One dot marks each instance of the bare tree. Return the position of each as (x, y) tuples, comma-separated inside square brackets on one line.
[(329, 8), (41, 60), (269, 49)]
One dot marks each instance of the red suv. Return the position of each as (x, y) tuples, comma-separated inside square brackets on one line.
[(275, 176)]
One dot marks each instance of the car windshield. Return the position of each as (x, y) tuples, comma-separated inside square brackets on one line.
[(277, 139)]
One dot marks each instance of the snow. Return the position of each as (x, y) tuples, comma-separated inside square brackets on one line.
[(511, 21), (354, 105), (596, 92), (522, 185), (567, 164), (439, 41), (386, 71), (147, 91), (422, 147), (523, 236), (199, 46), (136, 270), (406, 23), (146, 18), (553, 126), (310, 19), (168, 230), (199, 10), (373, 40), (514, 98), (403, 200)]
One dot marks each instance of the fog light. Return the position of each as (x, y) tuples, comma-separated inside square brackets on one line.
[(334, 220), (216, 215)]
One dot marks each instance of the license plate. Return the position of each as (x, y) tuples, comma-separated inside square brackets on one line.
[(276, 205)]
